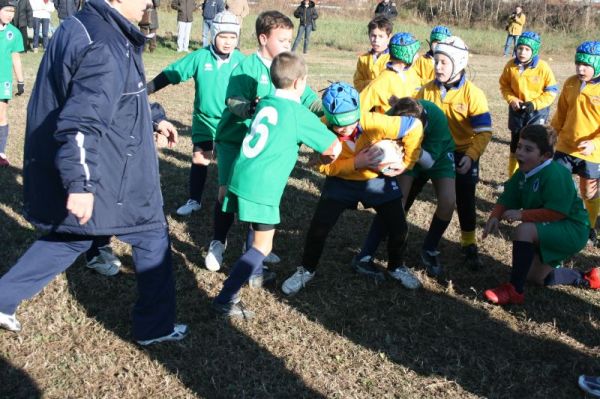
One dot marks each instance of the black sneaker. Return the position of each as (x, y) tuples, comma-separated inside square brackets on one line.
[(593, 238), (432, 263), (365, 266), (472, 260), (267, 278), (232, 309)]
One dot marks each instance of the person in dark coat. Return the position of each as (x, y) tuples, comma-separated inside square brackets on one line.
[(149, 24), (307, 13), (66, 8), (387, 9), (91, 168), (23, 19)]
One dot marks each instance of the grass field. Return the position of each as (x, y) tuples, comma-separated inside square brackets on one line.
[(343, 336)]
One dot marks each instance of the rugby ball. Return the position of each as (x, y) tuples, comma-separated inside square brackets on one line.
[(390, 156)]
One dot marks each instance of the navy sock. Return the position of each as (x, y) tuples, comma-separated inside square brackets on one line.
[(435, 233), (3, 138), (565, 276), (223, 222), (522, 256), (240, 273), (376, 234), (197, 179)]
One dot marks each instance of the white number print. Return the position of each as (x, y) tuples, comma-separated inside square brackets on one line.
[(260, 129)]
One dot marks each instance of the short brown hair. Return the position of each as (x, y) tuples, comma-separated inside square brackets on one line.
[(286, 68), (544, 136), (382, 23), (270, 20), (407, 106)]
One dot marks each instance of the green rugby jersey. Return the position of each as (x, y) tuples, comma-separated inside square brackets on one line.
[(270, 148), (211, 79), (11, 42), (249, 80)]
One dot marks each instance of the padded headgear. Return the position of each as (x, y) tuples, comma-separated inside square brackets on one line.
[(439, 33), (7, 3), (224, 22), (341, 104), (454, 48), (403, 47), (531, 40), (589, 53)]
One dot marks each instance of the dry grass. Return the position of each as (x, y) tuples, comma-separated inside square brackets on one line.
[(342, 337)]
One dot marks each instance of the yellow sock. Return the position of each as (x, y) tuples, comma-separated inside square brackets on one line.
[(467, 238), (593, 208), (512, 165)]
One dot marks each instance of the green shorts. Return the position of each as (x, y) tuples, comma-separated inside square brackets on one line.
[(6, 91), (442, 168), (561, 240), (227, 154), (251, 212)]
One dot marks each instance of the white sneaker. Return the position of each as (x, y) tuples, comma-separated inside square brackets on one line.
[(189, 207), (9, 322), (406, 277), (297, 281), (105, 263), (180, 331), (214, 257)]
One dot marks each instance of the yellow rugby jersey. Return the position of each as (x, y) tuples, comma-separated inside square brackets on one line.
[(424, 65), (377, 94), (374, 127), (534, 82), (467, 111), (368, 68), (577, 117)]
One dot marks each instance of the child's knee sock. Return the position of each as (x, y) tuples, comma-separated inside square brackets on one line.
[(223, 222), (522, 256), (467, 238), (3, 138), (512, 165), (435, 233), (375, 235), (593, 208), (565, 276), (240, 273), (197, 179)]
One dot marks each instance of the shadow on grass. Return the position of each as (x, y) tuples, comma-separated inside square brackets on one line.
[(16, 383)]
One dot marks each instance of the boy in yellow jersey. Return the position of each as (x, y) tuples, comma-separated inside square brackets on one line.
[(350, 180), (470, 122), (577, 121), (529, 87), (399, 78), (373, 62), (425, 64)]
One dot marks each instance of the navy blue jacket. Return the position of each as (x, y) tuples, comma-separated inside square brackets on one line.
[(89, 129), (210, 8)]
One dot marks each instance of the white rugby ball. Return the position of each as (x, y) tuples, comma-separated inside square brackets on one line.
[(390, 155)]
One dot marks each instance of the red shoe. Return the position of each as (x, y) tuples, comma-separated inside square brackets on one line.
[(593, 277), (504, 295), (4, 162)]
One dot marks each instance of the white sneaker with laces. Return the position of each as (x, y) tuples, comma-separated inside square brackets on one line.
[(9, 322), (180, 331), (189, 207), (105, 263), (406, 277), (214, 257), (297, 281)]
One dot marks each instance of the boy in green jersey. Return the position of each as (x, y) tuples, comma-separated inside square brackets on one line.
[(210, 67), (554, 224), (268, 154), (11, 44), (249, 82)]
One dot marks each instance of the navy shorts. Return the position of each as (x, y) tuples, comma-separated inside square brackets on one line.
[(472, 175), (578, 166), (370, 193), (518, 120)]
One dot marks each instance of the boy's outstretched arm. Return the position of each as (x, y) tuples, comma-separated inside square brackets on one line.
[(18, 69)]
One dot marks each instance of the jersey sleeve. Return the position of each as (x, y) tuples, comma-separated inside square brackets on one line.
[(560, 115), (411, 135), (550, 91), (505, 87), (315, 134), (183, 69), (481, 122), (17, 42)]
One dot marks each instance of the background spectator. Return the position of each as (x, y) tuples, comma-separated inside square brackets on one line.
[(66, 8), (240, 9), (514, 27), (23, 19), (307, 13), (210, 8), (42, 9), (149, 25), (387, 9), (185, 17)]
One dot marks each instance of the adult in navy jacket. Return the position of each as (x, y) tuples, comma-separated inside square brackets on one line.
[(91, 166)]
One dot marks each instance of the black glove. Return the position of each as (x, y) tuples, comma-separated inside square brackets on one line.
[(20, 88), (252, 108), (527, 107)]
